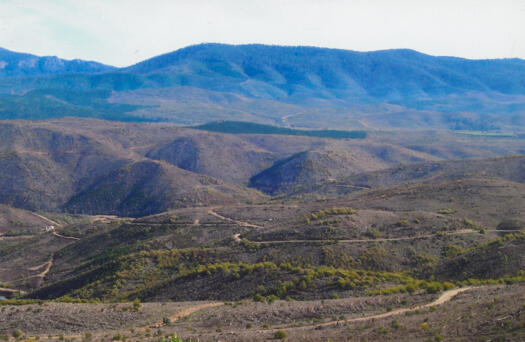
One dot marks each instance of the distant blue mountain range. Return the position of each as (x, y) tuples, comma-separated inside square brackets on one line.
[(290, 86), (278, 71)]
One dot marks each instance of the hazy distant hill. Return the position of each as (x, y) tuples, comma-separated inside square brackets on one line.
[(289, 86), (14, 64), (297, 72)]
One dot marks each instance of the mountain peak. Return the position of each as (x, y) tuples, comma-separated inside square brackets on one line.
[(16, 64)]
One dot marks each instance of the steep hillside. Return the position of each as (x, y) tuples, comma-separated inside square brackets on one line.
[(307, 169), (45, 166), (148, 187), (52, 168), (225, 157), (14, 222)]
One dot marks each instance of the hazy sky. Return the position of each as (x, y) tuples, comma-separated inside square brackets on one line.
[(123, 32)]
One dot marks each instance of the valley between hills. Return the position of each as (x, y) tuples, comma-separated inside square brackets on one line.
[(139, 231)]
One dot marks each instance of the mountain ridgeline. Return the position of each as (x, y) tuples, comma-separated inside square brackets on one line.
[(15, 64), (286, 86), (276, 71)]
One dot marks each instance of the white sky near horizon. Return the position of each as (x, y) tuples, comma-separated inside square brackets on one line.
[(124, 32)]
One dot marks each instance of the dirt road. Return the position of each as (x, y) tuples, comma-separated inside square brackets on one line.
[(445, 297), (186, 312), (65, 237), (48, 267), (48, 264), (3, 289), (239, 223), (47, 219)]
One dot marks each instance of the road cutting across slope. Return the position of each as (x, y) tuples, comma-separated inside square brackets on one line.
[(65, 237), (443, 298), (237, 222), (186, 312)]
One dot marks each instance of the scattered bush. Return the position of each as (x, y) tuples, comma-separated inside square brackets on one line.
[(372, 233), (136, 304), (446, 211), (403, 223), (280, 335), (119, 337), (87, 336), (511, 224), (17, 333), (316, 215), (453, 251), (395, 325), (473, 225)]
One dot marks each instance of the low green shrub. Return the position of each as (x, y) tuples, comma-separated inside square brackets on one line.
[(280, 335)]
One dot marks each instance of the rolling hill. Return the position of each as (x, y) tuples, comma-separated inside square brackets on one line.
[(307, 177), (136, 169)]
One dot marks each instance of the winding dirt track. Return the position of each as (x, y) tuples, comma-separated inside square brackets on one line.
[(65, 237), (47, 219), (3, 289), (240, 223), (37, 267), (445, 297), (56, 224), (48, 267), (15, 237), (237, 237), (186, 312), (48, 264)]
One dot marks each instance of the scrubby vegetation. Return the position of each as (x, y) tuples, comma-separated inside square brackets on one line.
[(511, 224), (473, 225), (322, 213), (258, 235)]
